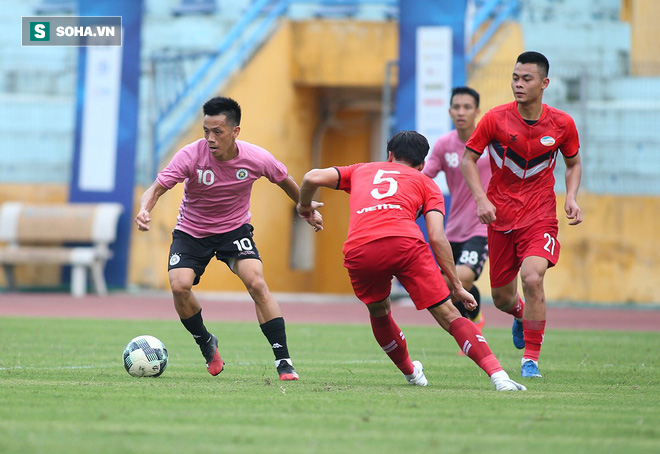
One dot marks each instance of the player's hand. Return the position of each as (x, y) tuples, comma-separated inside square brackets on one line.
[(573, 212), (465, 297), (308, 209), (310, 214), (315, 220), (142, 220), (486, 211)]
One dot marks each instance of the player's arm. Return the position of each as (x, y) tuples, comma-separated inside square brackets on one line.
[(443, 254), (290, 187), (314, 179), (573, 176), (433, 165), (485, 209), (147, 203)]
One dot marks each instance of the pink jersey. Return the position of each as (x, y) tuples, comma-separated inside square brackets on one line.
[(462, 222), (216, 194)]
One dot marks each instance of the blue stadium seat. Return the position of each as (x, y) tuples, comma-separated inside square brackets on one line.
[(48, 7), (336, 8), (195, 7)]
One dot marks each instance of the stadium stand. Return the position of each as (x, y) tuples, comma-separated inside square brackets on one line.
[(195, 7), (55, 7), (336, 8)]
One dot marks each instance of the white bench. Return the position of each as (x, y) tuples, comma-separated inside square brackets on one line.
[(72, 234)]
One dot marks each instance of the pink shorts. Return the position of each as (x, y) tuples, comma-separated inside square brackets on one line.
[(372, 266), (508, 250)]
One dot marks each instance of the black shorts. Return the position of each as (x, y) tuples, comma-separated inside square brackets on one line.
[(472, 253), (186, 251)]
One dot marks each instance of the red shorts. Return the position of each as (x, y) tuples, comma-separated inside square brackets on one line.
[(372, 266), (508, 250)]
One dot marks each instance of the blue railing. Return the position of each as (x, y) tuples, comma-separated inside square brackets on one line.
[(178, 97), (495, 11), (218, 65), (387, 9)]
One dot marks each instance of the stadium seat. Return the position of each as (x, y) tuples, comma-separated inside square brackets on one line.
[(48, 7), (336, 8), (195, 7)]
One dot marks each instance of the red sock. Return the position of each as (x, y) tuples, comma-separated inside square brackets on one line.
[(391, 339), (517, 309), (533, 330), (474, 345)]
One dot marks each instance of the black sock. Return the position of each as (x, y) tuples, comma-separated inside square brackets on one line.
[(195, 325), (276, 334), (474, 291)]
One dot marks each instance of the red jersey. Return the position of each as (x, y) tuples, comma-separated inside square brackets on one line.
[(522, 158), (385, 199)]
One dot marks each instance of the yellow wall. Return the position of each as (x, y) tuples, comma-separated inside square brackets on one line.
[(340, 53), (491, 73), (613, 256), (645, 35)]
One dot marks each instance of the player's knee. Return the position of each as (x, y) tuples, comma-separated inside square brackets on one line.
[(503, 300), (531, 280), (498, 295), (501, 303), (180, 288), (256, 285)]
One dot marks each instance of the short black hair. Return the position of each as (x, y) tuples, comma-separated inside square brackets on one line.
[(221, 105), (538, 59), (465, 91), (409, 146)]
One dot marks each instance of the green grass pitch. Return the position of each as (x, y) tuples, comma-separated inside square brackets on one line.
[(63, 389)]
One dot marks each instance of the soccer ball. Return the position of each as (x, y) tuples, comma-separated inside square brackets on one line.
[(145, 356)]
